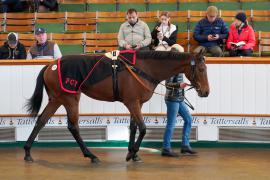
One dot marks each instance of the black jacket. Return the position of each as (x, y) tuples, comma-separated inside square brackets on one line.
[(50, 4), (7, 53), (173, 90), (171, 40)]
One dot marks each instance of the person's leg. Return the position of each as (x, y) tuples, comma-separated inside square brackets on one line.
[(177, 47), (5, 6), (199, 49), (215, 51), (184, 112), (17, 6), (233, 53), (144, 48), (246, 52), (172, 109), (160, 48)]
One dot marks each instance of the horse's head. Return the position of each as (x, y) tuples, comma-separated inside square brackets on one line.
[(198, 75)]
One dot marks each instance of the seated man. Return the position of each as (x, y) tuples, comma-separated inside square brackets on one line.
[(43, 49), (241, 37), (210, 33), (12, 48), (134, 33)]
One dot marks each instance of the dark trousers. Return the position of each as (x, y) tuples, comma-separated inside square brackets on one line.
[(244, 52), (11, 6)]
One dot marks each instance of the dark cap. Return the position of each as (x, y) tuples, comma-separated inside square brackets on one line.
[(241, 17), (40, 31), (12, 38)]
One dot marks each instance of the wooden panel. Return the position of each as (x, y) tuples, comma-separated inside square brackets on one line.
[(261, 13), (183, 42), (81, 28), (27, 36), (131, 1), (50, 15), (27, 43), (19, 22), (77, 15), (67, 36), (223, 0), (3, 36), (101, 42), (261, 18), (69, 42), (111, 19), (265, 48), (92, 49), (197, 13), (81, 21), (188, 1), (101, 36), (73, 1), (77, 38), (162, 1), (183, 35), (265, 35), (265, 41), (19, 28), (20, 16), (148, 14), (111, 14), (101, 1)]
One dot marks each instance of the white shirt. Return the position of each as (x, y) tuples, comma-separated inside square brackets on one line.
[(166, 31)]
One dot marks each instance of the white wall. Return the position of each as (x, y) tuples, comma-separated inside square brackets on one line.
[(234, 89)]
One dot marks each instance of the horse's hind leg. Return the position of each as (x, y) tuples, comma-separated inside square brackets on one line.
[(135, 110), (73, 117), (41, 121)]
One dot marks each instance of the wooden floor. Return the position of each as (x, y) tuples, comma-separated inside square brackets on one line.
[(68, 163)]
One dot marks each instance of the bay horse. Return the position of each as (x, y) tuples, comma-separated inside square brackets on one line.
[(160, 65)]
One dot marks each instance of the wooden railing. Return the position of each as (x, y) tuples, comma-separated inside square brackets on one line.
[(209, 60)]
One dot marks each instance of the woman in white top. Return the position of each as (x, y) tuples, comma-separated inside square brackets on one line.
[(165, 34)]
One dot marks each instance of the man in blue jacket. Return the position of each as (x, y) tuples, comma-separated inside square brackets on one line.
[(210, 33)]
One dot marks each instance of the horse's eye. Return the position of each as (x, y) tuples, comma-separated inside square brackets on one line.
[(201, 69)]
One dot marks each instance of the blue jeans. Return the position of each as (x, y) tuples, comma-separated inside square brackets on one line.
[(173, 108)]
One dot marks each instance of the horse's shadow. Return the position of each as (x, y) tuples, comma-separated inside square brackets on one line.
[(111, 166)]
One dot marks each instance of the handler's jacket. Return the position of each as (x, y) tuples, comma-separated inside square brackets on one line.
[(173, 90)]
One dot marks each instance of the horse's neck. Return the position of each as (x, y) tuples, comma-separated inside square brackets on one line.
[(163, 69)]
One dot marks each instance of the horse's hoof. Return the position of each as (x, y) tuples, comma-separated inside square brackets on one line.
[(136, 158), (129, 156), (28, 159), (95, 161)]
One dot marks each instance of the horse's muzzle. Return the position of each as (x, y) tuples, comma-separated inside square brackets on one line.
[(203, 93)]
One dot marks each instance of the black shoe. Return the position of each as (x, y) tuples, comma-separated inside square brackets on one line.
[(168, 153), (187, 149)]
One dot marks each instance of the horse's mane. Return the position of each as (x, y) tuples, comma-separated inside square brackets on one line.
[(171, 55)]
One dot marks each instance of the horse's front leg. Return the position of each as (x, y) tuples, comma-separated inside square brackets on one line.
[(137, 119)]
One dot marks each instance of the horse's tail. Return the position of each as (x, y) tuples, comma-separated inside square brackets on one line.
[(34, 103)]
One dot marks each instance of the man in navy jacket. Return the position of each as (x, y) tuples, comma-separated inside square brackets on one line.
[(210, 33)]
